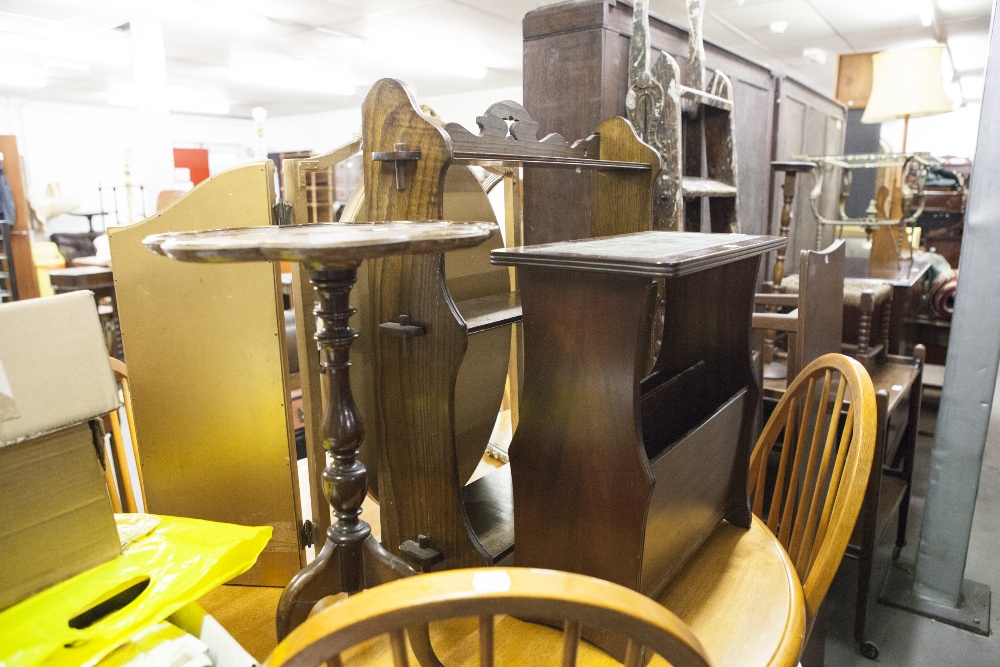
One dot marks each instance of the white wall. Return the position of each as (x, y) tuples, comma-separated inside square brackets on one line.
[(324, 131), (83, 147)]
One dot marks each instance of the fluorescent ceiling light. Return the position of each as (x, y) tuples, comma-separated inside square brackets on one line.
[(183, 100), (105, 47), (202, 14), (294, 81), (458, 56), (330, 31), (66, 67), (307, 75), (21, 80), (203, 107), (416, 62)]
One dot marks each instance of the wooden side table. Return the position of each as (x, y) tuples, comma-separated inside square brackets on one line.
[(332, 252), (621, 471)]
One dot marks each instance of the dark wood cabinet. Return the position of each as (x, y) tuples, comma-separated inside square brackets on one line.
[(576, 74)]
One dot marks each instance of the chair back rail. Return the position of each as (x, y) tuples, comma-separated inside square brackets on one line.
[(120, 486), (826, 426), (561, 599)]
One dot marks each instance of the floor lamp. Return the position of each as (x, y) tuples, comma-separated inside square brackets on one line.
[(906, 83)]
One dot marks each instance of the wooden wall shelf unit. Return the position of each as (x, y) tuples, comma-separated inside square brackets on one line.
[(416, 333), (621, 472)]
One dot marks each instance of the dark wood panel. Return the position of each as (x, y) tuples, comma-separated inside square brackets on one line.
[(754, 110), (692, 510), (807, 122), (576, 74), (579, 429)]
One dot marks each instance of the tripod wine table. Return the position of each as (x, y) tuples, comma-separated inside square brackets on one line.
[(332, 253)]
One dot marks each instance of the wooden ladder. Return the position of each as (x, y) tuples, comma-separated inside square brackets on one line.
[(691, 126)]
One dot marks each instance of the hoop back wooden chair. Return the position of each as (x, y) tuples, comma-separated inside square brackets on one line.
[(822, 471), (123, 493), (563, 598)]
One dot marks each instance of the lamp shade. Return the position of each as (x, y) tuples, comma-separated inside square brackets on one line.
[(906, 82)]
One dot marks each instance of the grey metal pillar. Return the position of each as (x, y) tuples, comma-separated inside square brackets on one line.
[(939, 588)]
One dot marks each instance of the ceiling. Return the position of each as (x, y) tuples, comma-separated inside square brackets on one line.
[(226, 57)]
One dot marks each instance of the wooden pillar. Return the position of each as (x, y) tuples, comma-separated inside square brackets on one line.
[(20, 241)]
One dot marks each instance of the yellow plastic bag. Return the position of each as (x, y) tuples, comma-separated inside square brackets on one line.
[(84, 617)]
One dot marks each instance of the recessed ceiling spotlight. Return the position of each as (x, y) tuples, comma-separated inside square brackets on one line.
[(815, 55), (778, 27)]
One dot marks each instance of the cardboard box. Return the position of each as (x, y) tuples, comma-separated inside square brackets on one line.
[(54, 368), (55, 379)]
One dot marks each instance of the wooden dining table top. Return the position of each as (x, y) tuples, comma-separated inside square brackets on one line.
[(739, 593)]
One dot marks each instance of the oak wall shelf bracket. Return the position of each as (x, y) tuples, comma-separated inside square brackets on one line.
[(421, 324)]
